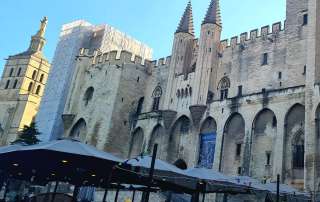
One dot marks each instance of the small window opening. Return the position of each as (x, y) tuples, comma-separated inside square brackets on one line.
[(268, 156), (279, 75), (138, 79), (38, 90), (41, 78), (304, 70), (7, 84), (274, 121), (34, 74), (19, 72), (88, 95), (30, 86), (264, 59), (240, 90), (238, 150), (305, 19), (11, 72), (15, 83), (239, 170)]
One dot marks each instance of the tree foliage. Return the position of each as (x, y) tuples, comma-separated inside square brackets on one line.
[(28, 136)]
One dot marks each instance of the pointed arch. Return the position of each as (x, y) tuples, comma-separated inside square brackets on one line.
[(294, 146), (180, 128), (264, 130), (157, 137), (207, 143), (136, 147), (233, 145), (79, 130)]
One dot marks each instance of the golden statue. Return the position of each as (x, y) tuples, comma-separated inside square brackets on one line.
[(43, 27)]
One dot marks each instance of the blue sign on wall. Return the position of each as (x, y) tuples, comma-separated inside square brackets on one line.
[(207, 149)]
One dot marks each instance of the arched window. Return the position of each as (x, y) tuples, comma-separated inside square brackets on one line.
[(136, 146), (156, 95), (224, 86), (30, 86), (41, 78), (19, 72), (11, 72), (38, 89), (79, 130), (7, 84), (187, 93), (298, 151), (15, 83), (178, 93), (140, 105), (190, 91), (88, 95), (34, 74)]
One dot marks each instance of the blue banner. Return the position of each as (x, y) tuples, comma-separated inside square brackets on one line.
[(207, 149)]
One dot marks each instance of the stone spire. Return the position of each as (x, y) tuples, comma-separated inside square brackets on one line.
[(213, 14), (186, 23)]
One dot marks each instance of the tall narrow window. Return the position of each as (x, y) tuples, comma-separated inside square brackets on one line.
[(34, 74), (304, 70), (305, 19), (238, 150), (41, 78), (264, 59), (140, 105), (7, 84), (88, 95), (279, 75), (268, 156), (30, 86), (298, 152), (239, 90), (224, 86), (11, 72), (156, 95), (15, 83), (19, 72), (38, 90)]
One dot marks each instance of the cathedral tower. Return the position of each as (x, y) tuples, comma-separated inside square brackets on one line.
[(207, 61), (21, 87)]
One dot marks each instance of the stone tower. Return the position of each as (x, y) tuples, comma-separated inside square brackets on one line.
[(181, 59), (21, 87), (207, 62)]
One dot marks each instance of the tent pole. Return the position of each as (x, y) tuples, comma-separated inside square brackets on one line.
[(55, 191), (133, 195), (6, 189), (75, 193), (154, 155), (117, 194), (108, 184), (278, 188), (203, 197), (105, 195)]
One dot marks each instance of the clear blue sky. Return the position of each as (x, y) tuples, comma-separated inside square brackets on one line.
[(150, 21)]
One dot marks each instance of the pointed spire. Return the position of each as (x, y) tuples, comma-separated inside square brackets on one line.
[(186, 23), (213, 15)]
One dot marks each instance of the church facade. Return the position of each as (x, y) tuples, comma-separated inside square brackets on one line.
[(248, 106), (21, 87)]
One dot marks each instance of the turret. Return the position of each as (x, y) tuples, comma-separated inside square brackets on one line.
[(182, 51), (207, 61)]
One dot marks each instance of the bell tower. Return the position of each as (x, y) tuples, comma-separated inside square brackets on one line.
[(21, 87)]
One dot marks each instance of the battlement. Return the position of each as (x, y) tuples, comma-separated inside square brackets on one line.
[(265, 34), (119, 57)]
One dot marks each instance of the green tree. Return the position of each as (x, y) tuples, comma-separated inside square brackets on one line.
[(28, 136)]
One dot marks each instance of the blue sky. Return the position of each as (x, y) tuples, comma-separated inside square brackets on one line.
[(150, 21)]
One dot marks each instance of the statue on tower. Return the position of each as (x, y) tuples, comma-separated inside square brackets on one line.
[(43, 27)]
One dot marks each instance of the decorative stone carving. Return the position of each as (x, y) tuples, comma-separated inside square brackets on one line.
[(68, 120), (197, 112), (168, 117)]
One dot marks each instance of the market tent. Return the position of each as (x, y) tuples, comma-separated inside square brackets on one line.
[(166, 176), (61, 160), (215, 182), (288, 191)]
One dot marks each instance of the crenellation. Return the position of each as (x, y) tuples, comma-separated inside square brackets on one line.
[(243, 37), (253, 35), (125, 56), (138, 59)]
